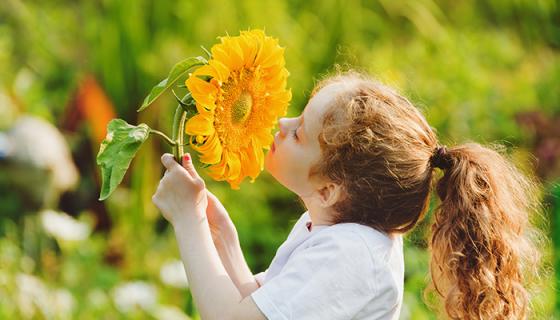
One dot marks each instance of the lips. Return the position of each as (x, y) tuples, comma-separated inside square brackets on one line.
[(274, 143)]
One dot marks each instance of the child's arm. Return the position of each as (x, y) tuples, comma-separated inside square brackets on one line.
[(182, 199), (226, 240)]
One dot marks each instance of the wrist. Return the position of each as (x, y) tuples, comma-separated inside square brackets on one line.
[(227, 233), (189, 219)]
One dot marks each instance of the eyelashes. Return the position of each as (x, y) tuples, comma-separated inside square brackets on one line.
[(294, 134)]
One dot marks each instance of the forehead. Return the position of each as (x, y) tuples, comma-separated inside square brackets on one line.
[(319, 104)]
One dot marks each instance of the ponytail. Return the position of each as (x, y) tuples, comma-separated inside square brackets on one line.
[(481, 245), (380, 149)]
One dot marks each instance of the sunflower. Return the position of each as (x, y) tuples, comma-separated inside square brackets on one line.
[(239, 96)]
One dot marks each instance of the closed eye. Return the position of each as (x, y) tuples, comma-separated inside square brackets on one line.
[(294, 134)]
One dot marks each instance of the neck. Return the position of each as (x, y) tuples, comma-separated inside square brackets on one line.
[(319, 215)]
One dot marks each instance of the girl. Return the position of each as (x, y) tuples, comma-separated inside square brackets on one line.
[(361, 157)]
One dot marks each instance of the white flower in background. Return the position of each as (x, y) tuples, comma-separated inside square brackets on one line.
[(64, 227), (173, 274), (38, 143), (6, 146), (63, 302), (165, 312), (135, 294), (32, 294)]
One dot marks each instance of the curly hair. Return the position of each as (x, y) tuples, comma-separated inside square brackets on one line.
[(378, 147)]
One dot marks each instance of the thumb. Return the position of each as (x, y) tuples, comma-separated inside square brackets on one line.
[(188, 165), (168, 161)]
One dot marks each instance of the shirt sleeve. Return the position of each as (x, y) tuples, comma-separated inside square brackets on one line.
[(332, 278), (259, 277)]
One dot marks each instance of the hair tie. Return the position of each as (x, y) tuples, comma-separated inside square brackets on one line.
[(440, 159)]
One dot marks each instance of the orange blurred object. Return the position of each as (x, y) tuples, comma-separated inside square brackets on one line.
[(92, 105)]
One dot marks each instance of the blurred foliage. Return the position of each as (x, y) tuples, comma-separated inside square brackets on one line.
[(471, 66)]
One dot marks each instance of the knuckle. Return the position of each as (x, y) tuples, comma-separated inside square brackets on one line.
[(199, 183)]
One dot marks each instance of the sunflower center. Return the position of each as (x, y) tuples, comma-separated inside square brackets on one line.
[(241, 108), (239, 114)]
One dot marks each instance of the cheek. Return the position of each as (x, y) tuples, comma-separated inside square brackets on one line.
[(283, 155), (286, 165)]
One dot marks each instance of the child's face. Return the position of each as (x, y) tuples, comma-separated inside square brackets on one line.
[(291, 157)]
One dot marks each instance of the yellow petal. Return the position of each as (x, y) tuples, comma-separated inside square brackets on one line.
[(259, 154), (264, 137), (249, 48), (234, 166), (235, 53), (208, 144), (219, 53), (207, 70), (213, 153), (275, 56), (267, 49), (202, 110), (200, 124), (281, 97), (250, 164), (275, 82), (221, 69), (234, 185), (202, 91), (217, 171)]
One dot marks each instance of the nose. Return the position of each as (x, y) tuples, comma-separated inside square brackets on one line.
[(284, 124)]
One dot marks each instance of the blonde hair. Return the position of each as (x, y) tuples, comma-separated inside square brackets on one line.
[(378, 147)]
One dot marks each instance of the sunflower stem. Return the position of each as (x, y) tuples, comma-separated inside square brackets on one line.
[(179, 132), (164, 136)]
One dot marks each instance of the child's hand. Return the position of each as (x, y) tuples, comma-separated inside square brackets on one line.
[(181, 193)]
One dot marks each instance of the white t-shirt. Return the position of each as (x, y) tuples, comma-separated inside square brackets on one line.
[(342, 271)]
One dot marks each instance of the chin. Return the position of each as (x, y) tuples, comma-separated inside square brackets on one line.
[(275, 170), (270, 167), (283, 180)]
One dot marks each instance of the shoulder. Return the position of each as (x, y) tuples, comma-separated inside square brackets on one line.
[(359, 237), (361, 245), (338, 276), (372, 252)]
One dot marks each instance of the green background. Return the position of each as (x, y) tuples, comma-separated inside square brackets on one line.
[(475, 68)]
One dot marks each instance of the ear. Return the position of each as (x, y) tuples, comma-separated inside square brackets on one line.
[(329, 194)]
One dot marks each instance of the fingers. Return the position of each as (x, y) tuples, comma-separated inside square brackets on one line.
[(188, 165), (169, 162)]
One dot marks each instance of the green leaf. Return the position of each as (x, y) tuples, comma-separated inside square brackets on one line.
[(116, 152), (176, 72)]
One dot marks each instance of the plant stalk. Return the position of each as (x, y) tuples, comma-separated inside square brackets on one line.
[(179, 132), (164, 136)]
